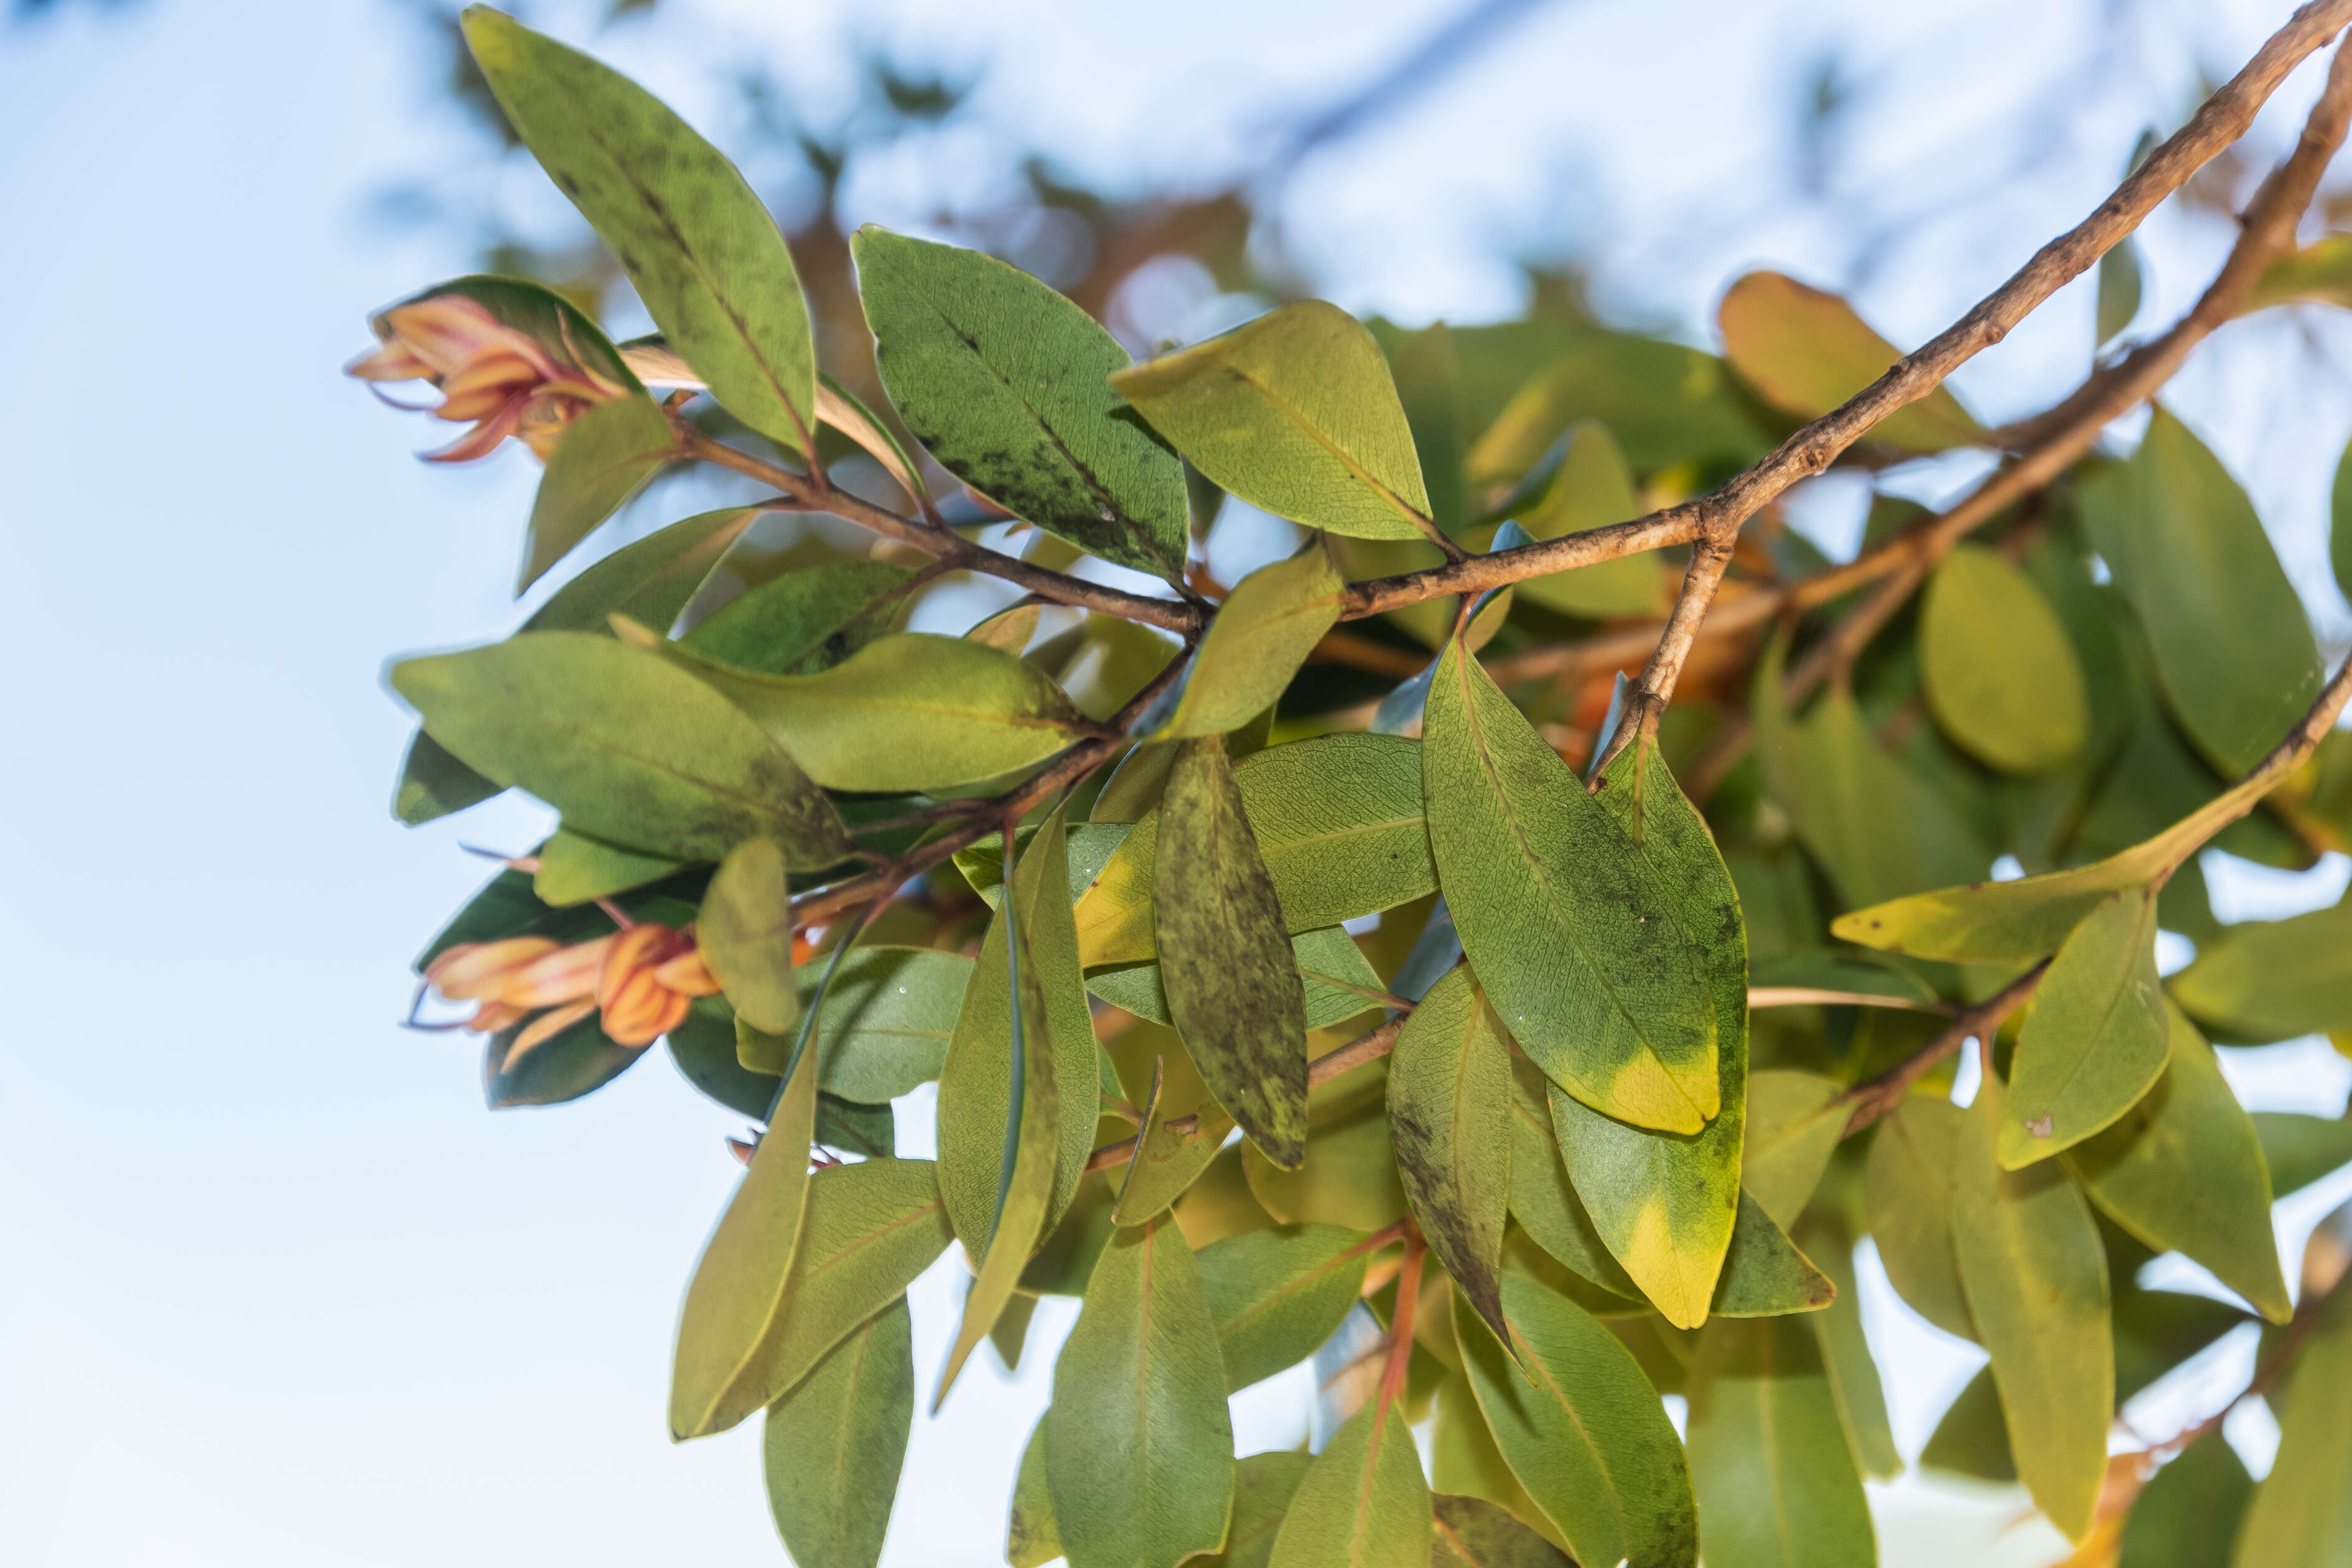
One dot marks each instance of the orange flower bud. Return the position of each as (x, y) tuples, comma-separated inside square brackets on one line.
[(498, 379), (566, 975), (472, 970)]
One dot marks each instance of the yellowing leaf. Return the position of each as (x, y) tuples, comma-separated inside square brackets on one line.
[(1293, 413), (1575, 938), (2096, 1037), (1260, 635), (1807, 353), (2000, 672)]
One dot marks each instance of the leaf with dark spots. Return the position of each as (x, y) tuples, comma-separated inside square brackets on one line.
[(1450, 1121)]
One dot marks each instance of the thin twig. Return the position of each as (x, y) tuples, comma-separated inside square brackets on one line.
[(1408, 1302), (1820, 997), (1876, 1096)]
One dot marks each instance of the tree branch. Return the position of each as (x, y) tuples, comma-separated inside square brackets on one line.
[(1874, 1098)]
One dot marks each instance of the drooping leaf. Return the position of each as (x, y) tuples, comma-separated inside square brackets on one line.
[(909, 711), (1008, 1168), (574, 868), (2183, 1171), (1225, 963), (807, 621), (1794, 1123), (1853, 1372), (1592, 489), (834, 1444), (1293, 413), (2190, 1514), (1450, 1121), (1807, 351), (2036, 1278), (1582, 1431), (869, 1230), (1005, 382), (2234, 652), (1336, 976), (1666, 1204), (1138, 1445), (2096, 1039), (1264, 1485), (1277, 1294), (626, 747), (729, 1335), (884, 1024), (1577, 943), (2301, 1514), (606, 456), (745, 935), (2273, 980), (1907, 1189), (2000, 673), (1032, 1539), (1260, 635), (1471, 1532), (1775, 1480), (1337, 820), (707, 259), (1363, 1503)]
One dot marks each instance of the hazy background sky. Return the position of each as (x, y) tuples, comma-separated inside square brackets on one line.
[(274, 1288)]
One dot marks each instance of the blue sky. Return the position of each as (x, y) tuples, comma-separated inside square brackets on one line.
[(274, 1289)]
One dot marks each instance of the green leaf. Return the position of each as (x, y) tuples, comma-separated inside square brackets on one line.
[(1363, 1503), (869, 1230), (652, 580), (1295, 414), (834, 1445), (1277, 1294), (1350, 1177), (1337, 820), (2119, 289), (909, 711), (1428, 383), (2000, 672), (1906, 1187), (1878, 828), (2273, 980), (1582, 1431), (703, 1048), (1166, 1163), (574, 868), (1465, 1460), (606, 456), (1225, 963), (2233, 653), (1007, 1171), (1592, 489), (1471, 1532), (731, 1334), (1335, 972), (1032, 1539), (1668, 404), (1973, 1436), (628, 748), (2320, 273), (1775, 1481), (2036, 1278), (1666, 1204), (865, 1131), (2301, 1514), (1264, 1485), (885, 1024), (1450, 1121), (2340, 524), (745, 935), (707, 259), (1807, 351), (1542, 1200), (1004, 381), (2183, 1171), (1571, 933), (2095, 1040), (576, 1061), (1260, 635), (2190, 1514), (1794, 1123), (1764, 1274), (434, 784), (805, 622), (1845, 1357), (2299, 1150), (1138, 1445)]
